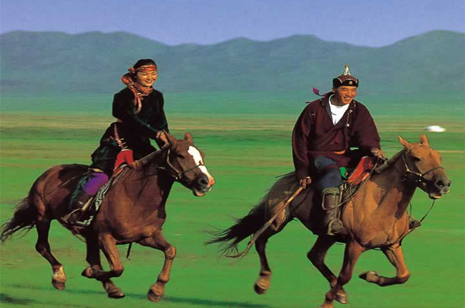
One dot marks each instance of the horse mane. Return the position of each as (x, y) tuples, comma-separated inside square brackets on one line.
[(390, 162), (138, 164)]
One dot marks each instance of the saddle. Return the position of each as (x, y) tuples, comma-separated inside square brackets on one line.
[(362, 171), (349, 187), (90, 209)]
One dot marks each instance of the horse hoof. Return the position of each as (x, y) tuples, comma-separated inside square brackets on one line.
[(59, 285), (370, 276), (87, 272), (259, 290), (58, 278), (153, 297), (263, 283), (115, 293), (341, 297)]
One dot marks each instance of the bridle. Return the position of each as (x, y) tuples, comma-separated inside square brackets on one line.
[(175, 173), (417, 177)]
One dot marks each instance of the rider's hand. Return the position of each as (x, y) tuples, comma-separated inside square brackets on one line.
[(162, 137), (305, 182), (378, 153)]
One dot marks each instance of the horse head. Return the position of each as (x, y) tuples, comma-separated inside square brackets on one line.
[(185, 162), (423, 166)]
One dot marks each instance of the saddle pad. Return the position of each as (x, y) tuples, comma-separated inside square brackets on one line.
[(98, 198), (362, 170)]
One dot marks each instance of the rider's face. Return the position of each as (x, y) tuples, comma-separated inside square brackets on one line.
[(345, 94), (147, 78)]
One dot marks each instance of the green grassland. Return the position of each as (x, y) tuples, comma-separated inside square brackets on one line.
[(245, 152)]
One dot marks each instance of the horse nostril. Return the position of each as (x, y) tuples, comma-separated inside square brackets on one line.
[(443, 183), (203, 181), (439, 184)]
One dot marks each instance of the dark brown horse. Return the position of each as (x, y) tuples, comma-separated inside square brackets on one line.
[(133, 210), (376, 217)]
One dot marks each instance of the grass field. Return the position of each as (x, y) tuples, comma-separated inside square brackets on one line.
[(245, 153)]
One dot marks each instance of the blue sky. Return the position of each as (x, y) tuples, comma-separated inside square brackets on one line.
[(364, 22)]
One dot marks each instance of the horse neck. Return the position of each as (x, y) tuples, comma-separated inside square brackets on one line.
[(153, 174), (390, 190)]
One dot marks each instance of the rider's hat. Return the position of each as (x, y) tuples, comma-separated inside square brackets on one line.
[(346, 79)]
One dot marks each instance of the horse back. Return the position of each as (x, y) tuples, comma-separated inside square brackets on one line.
[(51, 192), (302, 207)]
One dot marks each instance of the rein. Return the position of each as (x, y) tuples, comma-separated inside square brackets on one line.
[(352, 194), (177, 174), (418, 176), (427, 213)]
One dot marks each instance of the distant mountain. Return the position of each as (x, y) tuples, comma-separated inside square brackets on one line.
[(53, 62)]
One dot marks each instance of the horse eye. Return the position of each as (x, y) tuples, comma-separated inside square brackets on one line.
[(416, 159)]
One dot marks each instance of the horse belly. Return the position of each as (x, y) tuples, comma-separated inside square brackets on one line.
[(126, 226)]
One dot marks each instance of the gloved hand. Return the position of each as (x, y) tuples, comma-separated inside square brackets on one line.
[(305, 182), (378, 153)]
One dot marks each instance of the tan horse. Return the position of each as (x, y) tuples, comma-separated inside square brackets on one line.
[(376, 217), (133, 210)]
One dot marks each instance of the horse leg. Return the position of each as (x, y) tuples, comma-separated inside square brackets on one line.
[(158, 241), (108, 245), (395, 255), (352, 252), (43, 247), (93, 258), (317, 256), (263, 282)]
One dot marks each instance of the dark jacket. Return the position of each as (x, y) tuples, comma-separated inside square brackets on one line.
[(315, 135), (136, 130)]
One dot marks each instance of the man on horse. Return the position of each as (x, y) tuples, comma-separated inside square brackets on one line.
[(322, 140), (139, 110)]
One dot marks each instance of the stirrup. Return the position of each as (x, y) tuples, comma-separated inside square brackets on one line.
[(335, 227), (78, 212), (67, 218)]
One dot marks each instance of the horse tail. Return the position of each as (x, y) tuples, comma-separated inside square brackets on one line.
[(24, 218), (244, 227)]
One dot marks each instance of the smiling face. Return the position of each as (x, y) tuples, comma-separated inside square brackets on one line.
[(147, 77), (344, 95)]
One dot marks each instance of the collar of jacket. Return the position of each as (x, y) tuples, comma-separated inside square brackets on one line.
[(325, 101)]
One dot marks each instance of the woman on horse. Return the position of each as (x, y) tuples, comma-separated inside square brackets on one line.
[(140, 117)]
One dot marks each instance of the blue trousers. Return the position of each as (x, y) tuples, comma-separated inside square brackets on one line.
[(328, 173)]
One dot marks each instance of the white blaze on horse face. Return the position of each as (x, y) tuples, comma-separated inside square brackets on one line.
[(199, 161)]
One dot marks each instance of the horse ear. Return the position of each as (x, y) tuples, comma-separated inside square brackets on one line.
[(404, 142), (424, 140), (188, 138), (172, 140)]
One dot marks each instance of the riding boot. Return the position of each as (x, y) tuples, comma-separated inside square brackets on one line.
[(331, 207), (77, 208)]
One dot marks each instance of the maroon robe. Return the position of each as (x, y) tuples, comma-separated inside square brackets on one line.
[(315, 135)]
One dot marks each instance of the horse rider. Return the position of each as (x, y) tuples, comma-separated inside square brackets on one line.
[(140, 116), (322, 140)]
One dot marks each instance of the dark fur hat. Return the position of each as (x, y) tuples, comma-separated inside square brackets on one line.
[(346, 79)]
